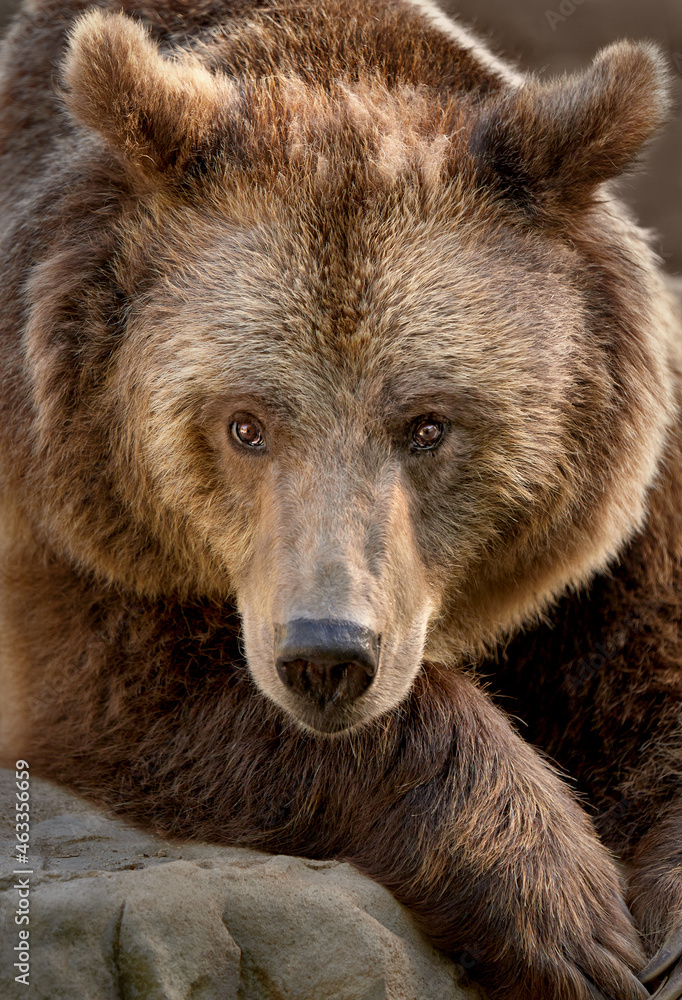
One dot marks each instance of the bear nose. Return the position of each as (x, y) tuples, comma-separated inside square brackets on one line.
[(328, 662)]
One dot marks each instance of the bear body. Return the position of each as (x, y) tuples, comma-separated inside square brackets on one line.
[(335, 380)]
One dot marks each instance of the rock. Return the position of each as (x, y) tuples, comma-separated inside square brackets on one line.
[(117, 914)]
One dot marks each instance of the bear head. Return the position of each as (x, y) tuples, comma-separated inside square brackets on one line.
[(384, 366)]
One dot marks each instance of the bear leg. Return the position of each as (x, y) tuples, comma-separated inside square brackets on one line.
[(497, 860)]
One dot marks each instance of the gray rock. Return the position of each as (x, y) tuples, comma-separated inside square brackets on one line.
[(117, 914)]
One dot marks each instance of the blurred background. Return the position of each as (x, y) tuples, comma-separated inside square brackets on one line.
[(554, 36)]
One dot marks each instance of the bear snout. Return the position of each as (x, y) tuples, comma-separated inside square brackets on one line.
[(327, 662)]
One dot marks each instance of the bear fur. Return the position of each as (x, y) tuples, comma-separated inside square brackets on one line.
[(335, 224)]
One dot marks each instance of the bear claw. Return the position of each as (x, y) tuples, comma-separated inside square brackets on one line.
[(668, 956), (641, 991), (669, 952), (671, 988)]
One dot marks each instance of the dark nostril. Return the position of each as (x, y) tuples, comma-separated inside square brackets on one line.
[(325, 683), (326, 661)]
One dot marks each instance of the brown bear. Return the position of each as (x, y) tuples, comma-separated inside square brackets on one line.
[(336, 383)]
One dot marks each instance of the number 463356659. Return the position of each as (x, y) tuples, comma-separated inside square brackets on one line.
[(22, 811)]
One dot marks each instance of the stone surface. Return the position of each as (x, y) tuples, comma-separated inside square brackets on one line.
[(116, 914)]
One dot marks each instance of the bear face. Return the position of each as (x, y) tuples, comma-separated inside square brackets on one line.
[(340, 512), (379, 376)]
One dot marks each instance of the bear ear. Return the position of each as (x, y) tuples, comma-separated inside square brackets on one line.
[(550, 144), (159, 111)]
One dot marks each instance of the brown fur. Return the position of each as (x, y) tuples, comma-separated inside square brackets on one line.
[(337, 217)]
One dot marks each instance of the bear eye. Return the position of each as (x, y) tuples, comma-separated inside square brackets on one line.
[(248, 433), (426, 434)]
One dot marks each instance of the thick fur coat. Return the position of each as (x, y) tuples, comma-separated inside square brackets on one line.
[(317, 316)]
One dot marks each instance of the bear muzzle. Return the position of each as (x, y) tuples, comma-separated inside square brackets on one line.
[(328, 663)]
